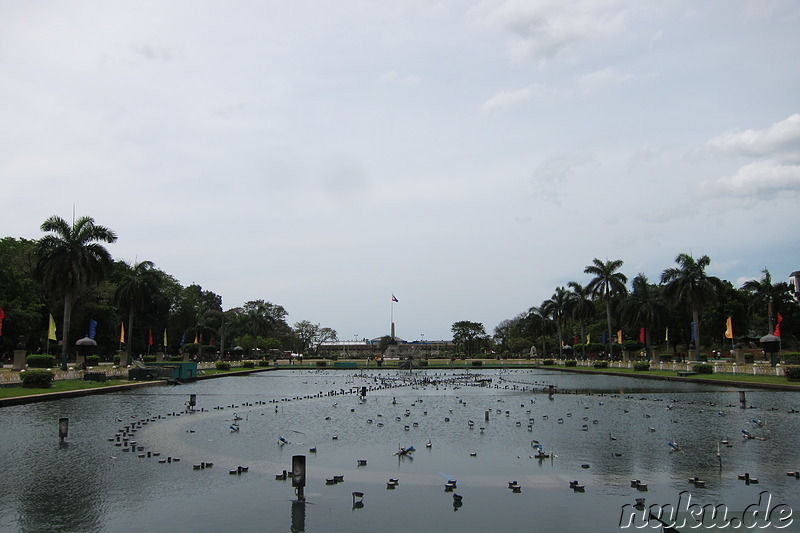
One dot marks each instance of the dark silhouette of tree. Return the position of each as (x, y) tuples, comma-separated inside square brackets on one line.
[(607, 284), (689, 285), (70, 258)]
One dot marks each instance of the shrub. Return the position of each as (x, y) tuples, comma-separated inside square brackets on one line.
[(792, 373), (322, 363), (263, 362), (39, 360), (571, 363), (422, 363), (703, 368), (146, 358), (600, 364), (548, 362), (176, 358), (37, 379), (116, 359), (248, 364), (92, 360), (222, 365), (477, 363), (641, 366), (792, 358)]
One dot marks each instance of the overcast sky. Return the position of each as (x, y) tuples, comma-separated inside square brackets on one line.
[(467, 156)]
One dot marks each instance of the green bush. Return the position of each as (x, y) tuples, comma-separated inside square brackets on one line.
[(116, 359), (322, 363), (792, 373), (146, 358), (641, 366), (222, 365), (422, 362), (176, 358), (92, 360), (570, 363), (39, 360), (548, 362), (477, 363), (792, 358), (263, 362), (600, 364), (703, 368), (248, 364), (37, 379)]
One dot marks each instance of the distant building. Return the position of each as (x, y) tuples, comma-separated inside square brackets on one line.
[(794, 280), (371, 347)]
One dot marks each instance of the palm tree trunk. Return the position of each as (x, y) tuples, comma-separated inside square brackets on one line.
[(129, 346), (610, 342), (65, 329), (696, 320), (583, 341)]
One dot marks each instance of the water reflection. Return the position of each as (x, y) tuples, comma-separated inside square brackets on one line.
[(600, 431)]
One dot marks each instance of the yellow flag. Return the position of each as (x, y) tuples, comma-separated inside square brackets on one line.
[(51, 330), (729, 328), (619, 337), (121, 332), (588, 337), (165, 336), (666, 335)]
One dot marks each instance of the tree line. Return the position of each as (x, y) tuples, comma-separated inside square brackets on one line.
[(685, 309), (69, 274)]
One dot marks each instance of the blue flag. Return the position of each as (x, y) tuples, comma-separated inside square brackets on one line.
[(92, 328), (692, 328), (605, 337)]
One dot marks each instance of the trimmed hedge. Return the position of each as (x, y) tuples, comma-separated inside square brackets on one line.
[(176, 358), (600, 364), (792, 373), (703, 368), (548, 362), (248, 364), (40, 360), (92, 360), (222, 365), (146, 359), (570, 363), (477, 363), (37, 379), (322, 363), (263, 362), (641, 366)]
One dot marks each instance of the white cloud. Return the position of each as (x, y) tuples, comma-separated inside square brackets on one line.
[(603, 79), (553, 173), (759, 180), (781, 139), (511, 98), (545, 29), (394, 77)]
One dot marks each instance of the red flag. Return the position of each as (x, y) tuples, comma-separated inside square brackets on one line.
[(777, 331), (641, 335), (150, 337), (2, 316)]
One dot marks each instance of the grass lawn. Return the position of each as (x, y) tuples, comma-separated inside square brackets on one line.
[(59, 386)]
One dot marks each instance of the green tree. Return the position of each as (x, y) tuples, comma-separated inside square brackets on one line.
[(606, 285), (581, 308), (135, 292), (19, 296), (689, 285), (468, 334), (70, 258), (644, 307), (768, 296), (556, 309)]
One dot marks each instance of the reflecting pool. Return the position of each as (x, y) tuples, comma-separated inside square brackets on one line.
[(482, 429)]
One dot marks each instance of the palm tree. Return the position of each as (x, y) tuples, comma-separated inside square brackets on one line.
[(556, 309), (581, 308), (689, 285), (70, 258), (765, 293), (134, 292), (606, 284), (644, 307)]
